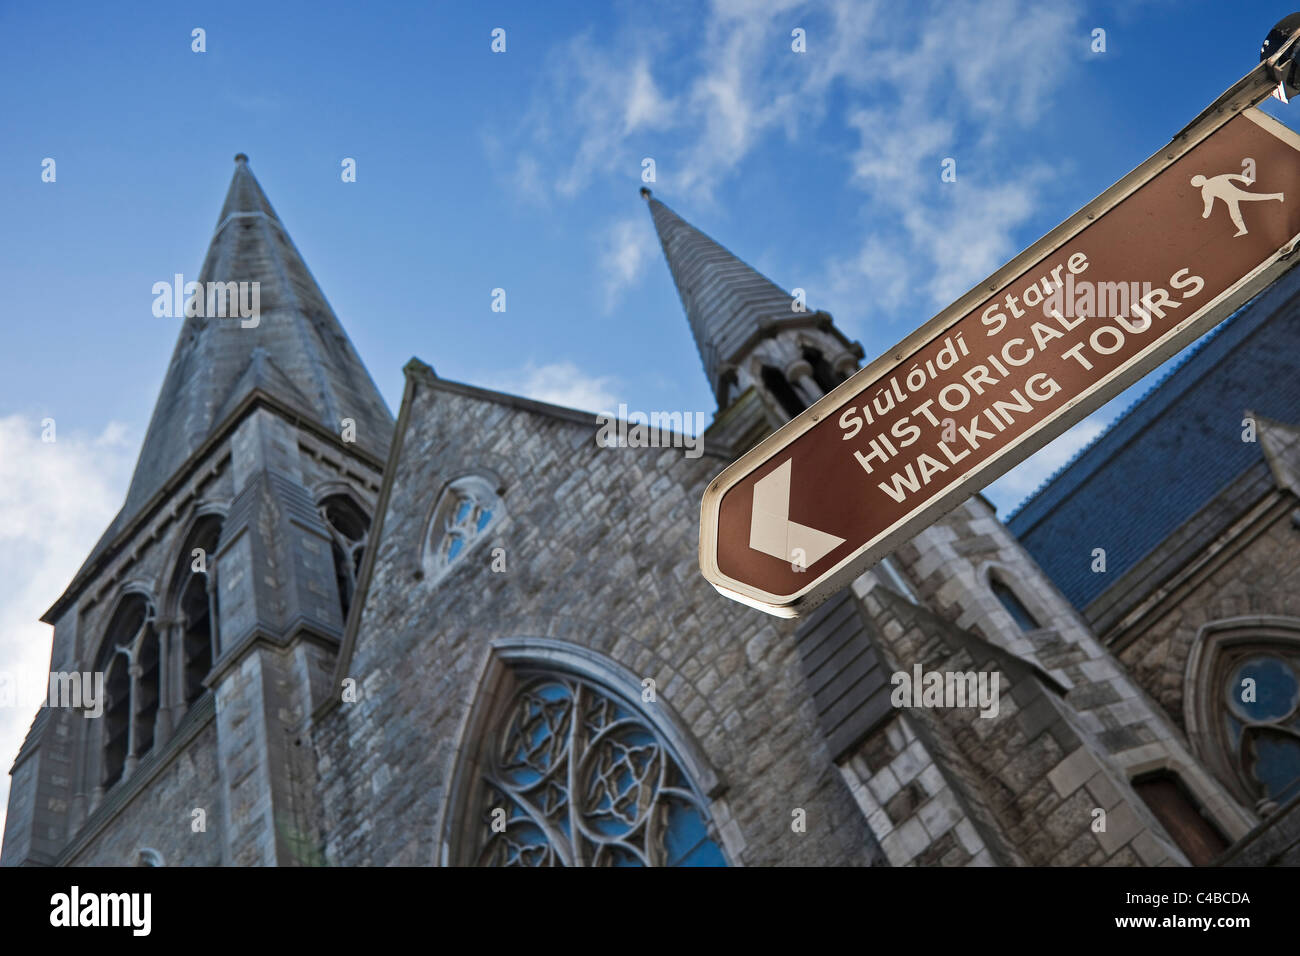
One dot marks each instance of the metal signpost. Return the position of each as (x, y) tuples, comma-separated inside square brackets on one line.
[(1138, 274)]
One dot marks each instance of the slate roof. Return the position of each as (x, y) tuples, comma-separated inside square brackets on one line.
[(298, 353), (1171, 452)]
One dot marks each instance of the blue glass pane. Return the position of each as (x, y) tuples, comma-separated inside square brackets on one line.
[(686, 840), (521, 773), (636, 737), (536, 738), (550, 691), (1277, 764), (706, 854), (484, 517), (454, 548), (462, 511), (620, 780), (615, 856), (525, 845), (1277, 689)]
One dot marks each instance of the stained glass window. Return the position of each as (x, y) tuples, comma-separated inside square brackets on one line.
[(1261, 722), (467, 508), (575, 777)]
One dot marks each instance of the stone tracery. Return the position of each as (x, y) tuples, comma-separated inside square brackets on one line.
[(573, 777)]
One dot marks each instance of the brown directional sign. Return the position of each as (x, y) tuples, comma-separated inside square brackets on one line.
[(1135, 276)]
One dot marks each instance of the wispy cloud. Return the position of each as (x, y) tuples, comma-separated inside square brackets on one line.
[(56, 499), (626, 248), (592, 102), (969, 75), (916, 85), (560, 383), (717, 88)]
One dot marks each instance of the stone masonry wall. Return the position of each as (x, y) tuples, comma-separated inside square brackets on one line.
[(950, 564), (600, 547), (909, 804), (161, 816), (1020, 786), (1260, 579)]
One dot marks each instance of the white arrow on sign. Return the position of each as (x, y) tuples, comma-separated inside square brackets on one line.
[(772, 532)]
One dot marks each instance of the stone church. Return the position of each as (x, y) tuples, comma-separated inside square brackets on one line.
[(478, 636)]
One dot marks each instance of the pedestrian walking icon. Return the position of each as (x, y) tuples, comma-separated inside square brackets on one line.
[(1221, 187)]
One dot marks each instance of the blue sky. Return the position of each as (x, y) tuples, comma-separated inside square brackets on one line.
[(520, 170)]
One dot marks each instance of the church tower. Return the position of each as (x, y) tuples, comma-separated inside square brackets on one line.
[(214, 603), (961, 598), (767, 357)]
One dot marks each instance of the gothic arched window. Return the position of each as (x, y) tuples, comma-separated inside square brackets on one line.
[(467, 508), (1261, 720), (1014, 606), (568, 772), (1179, 813), (196, 609), (725, 386), (1242, 706), (117, 713), (128, 659), (148, 690), (349, 529), (827, 378), (782, 391)]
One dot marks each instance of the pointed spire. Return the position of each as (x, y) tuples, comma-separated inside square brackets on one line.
[(728, 303), (294, 349), (244, 195)]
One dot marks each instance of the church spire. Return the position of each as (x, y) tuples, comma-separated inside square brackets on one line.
[(294, 350), (748, 329)]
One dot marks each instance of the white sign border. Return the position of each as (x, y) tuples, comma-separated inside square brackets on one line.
[(1241, 98)]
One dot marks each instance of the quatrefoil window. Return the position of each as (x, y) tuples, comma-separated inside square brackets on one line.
[(1261, 721), (1241, 705)]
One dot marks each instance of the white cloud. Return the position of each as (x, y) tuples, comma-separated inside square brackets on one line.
[(717, 87), (949, 80), (592, 103), (528, 179), (56, 499), (970, 75), (720, 86), (627, 246), (560, 383)]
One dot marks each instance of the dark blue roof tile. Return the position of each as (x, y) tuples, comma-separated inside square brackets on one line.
[(1170, 452)]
